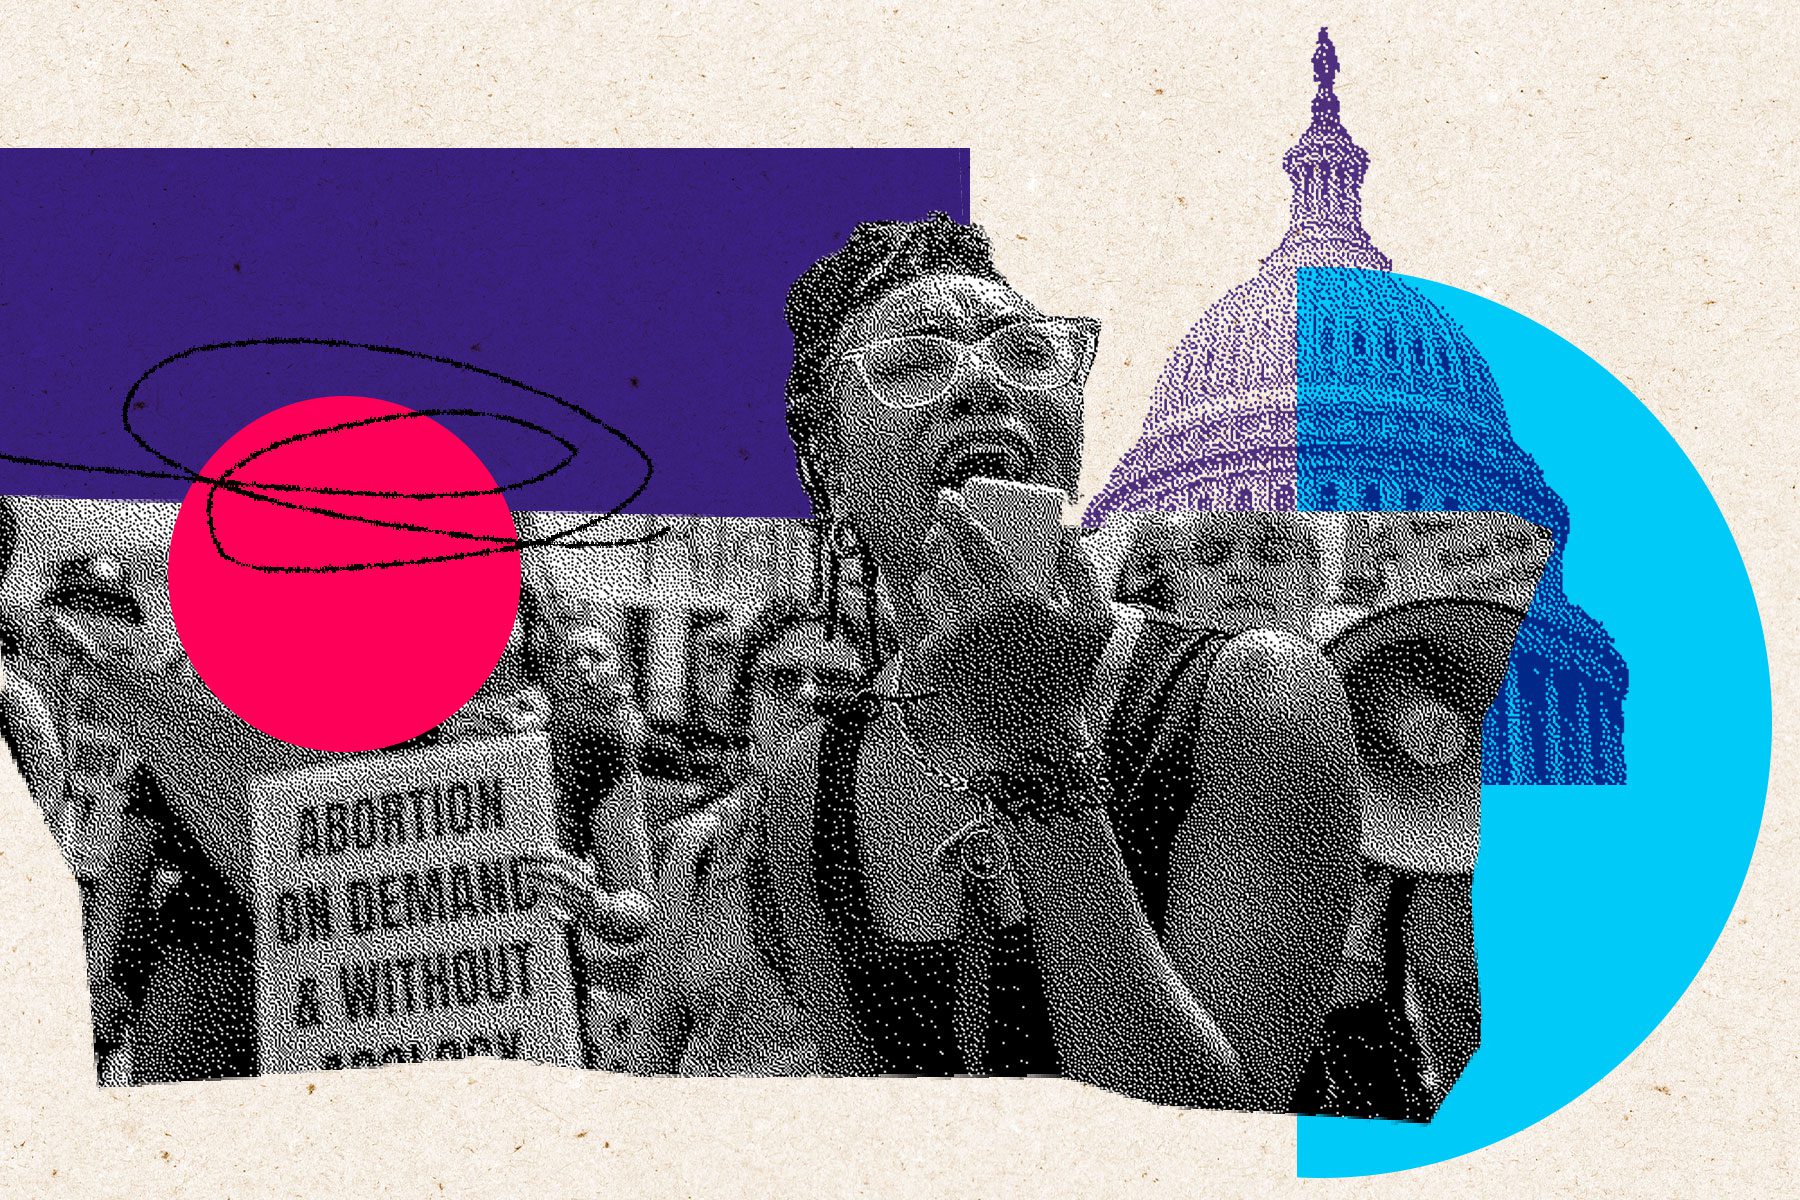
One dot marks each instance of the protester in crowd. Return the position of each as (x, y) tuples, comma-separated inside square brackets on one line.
[(1229, 571), (596, 733), (173, 982), (599, 872), (181, 978), (710, 1004), (992, 870), (694, 760), (178, 977), (562, 675), (26, 723), (169, 941)]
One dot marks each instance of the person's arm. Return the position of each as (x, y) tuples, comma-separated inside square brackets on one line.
[(661, 1022), (1262, 870), (668, 803), (609, 935), (1226, 1009), (1439, 936), (116, 918), (1122, 1017), (621, 838)]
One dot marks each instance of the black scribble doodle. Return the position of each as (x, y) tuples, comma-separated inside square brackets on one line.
[(264, 492), (935, 784)]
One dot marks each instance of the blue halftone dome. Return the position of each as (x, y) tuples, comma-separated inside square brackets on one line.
[(1396, 410), (1369, 334)]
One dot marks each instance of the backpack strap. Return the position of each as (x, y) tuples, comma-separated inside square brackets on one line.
[(789, 924)]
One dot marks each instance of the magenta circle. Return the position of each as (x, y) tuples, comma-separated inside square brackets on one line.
[(336, 659)]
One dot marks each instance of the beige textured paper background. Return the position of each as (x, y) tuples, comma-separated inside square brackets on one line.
[(1626, 174)]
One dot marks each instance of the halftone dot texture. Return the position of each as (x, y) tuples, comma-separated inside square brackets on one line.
[(1326, 381)]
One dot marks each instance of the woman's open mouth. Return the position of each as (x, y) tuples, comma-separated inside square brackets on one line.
[(989, 454)]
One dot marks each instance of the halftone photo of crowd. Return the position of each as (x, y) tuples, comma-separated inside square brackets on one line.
[(938, 783)]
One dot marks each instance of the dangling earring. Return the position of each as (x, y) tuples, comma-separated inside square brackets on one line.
[(877, 651), (845, 540), (841, 542), (820, 530)]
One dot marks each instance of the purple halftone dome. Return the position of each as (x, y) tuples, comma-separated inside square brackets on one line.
[(1221, 429)]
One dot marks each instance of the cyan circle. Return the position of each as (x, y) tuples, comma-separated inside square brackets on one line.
[(1595, 906)]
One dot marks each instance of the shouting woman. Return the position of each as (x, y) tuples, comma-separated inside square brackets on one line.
[(1051, 838)]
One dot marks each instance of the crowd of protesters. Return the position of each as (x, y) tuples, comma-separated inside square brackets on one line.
[(922, 817)]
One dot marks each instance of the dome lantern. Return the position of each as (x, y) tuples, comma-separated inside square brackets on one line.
[(1327, 167)]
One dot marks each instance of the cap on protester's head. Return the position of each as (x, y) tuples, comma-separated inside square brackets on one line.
[(98, 584), (1420, 678)]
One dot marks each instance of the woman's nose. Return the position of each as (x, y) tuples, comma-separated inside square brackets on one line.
[(979, 390)]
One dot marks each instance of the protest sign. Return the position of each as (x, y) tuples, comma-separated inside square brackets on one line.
[(394, 920)]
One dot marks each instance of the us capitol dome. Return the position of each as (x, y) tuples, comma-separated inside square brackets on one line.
[(1325, 382)]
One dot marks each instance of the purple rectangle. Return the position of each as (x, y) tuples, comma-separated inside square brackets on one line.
[(645, 286)]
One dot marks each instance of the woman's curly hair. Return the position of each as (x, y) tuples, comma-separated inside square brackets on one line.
[(879, 257)]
